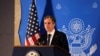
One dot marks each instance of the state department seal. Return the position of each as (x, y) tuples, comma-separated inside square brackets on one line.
[(32, 53), (76, 25)]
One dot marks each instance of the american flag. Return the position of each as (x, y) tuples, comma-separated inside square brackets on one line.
[(33, 30)]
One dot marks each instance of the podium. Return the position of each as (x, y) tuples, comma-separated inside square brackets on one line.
[(39, 51)]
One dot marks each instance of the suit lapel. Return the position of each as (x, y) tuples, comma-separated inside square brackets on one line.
[(54, 38)]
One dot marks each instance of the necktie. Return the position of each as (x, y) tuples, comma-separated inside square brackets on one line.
[(48, 38)]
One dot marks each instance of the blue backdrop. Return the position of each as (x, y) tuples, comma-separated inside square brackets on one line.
[(79, 19)]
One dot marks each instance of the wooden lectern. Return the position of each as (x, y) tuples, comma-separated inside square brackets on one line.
[(39, 51)]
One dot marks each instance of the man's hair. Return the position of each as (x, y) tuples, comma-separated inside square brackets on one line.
[(51, 17)]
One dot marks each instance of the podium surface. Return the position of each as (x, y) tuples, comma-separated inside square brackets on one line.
[(39, 51)]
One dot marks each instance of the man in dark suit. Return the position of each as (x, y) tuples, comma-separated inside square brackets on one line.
[(53, 36)]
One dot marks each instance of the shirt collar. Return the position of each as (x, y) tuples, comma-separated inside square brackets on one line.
[(52, 32)]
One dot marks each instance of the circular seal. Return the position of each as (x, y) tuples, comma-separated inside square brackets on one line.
[(32, 53), (76, 25)]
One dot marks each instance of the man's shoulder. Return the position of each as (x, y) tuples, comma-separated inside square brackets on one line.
[(60, 33)]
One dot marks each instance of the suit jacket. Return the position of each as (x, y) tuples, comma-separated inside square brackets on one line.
[(59, 39)]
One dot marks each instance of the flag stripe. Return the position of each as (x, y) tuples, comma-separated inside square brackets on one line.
[(31, 41), (27, 42), (37, 36)]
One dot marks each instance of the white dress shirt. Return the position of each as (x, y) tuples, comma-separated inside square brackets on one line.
[(52, 34)]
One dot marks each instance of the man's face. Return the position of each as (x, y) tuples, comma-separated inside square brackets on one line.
[(49, 24)]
